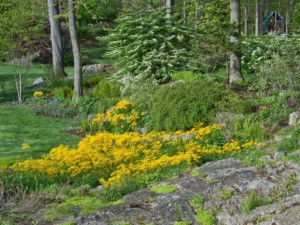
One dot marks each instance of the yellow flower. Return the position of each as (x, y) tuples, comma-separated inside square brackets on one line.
[(38, 94), (25, 146)]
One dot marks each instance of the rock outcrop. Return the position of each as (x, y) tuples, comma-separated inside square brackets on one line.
[(276, 181)]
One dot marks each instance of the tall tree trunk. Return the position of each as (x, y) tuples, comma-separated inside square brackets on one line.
[(56, 39), (261, 15), (246, 18), (184, 13), (169, 5), (76, 51), (235, 57), (257, 19), (198, 12), (289, 9)]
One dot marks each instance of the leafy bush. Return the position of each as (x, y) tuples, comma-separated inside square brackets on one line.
[(182, 106), (62, 92), (56, 109), (92, 82), (106, 89), (186, 76), (145, 46), (291, 143), (253, 201), (260, 50), (69, 59), (91, 31)]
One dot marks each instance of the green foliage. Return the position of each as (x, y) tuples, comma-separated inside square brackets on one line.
[(92, 12), (92, 81), (204, 217), (196, 201), (162, 189), (182, 223), (262, 51), (91, 31), (147, 46), (253, 157), (186, 76), (182, 106), (57, 109), (227, 193), (69, 59), (290, 143), (246, 128), (211, 48), (253, 201), (106, 89), (62, 92)]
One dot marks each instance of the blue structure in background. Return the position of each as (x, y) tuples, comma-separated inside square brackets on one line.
[(273, 23)]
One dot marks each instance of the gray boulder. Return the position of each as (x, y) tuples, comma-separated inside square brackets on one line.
[(208, 181)]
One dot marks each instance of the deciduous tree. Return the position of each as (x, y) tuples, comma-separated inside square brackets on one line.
[(56, 39), (235, 57)]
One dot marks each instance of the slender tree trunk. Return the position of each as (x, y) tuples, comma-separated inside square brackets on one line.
[(235, 57), (76, 51), (56, 39), (168, 10), (287, 17), (257, 19), (261, 15), (198, 12), (246, 18), (184, 13)]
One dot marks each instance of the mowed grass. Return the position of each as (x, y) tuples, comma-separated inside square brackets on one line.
[(95, 53), (19, 125), (7, 80)]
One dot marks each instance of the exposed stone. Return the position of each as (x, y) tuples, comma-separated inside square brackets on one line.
[(37, 83), (294, 119), (147, 207), (96, 68)]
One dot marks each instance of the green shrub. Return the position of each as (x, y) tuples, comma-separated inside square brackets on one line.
[(247, 128), (69, 59), (92, 82), (146, 46), (186, 76), (91, 31), (260, 51), (106, 89), (59, 110), (182, 106), (291, 143), (62, 92), (253, 201)]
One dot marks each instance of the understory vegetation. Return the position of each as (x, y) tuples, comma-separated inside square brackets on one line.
[(160, 111)]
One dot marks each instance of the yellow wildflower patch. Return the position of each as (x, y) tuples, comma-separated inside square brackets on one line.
[(113, 158)]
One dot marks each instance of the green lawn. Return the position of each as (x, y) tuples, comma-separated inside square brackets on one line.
[(95, 54), (19, 125)]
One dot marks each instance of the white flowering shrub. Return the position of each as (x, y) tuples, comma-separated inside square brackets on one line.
[(146, 45), (260, 51)]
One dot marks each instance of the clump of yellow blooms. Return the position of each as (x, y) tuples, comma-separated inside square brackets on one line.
[(123, 117), (113, 158), (25, 146), (38, 94)]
